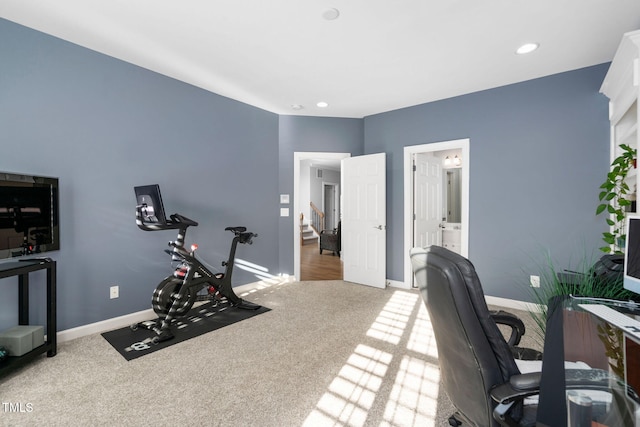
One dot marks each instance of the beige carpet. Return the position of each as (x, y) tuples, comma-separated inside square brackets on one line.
[(329, 353)]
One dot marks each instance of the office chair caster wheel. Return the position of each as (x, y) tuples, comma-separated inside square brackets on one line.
[(453, 421), (134, 327)]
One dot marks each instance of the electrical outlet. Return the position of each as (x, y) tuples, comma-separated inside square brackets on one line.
[(114, 292), (535, 281)]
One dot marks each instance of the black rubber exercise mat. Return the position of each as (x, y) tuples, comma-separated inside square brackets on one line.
[(207, 317)]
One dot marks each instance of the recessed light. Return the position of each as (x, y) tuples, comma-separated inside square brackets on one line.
[(331, 14), (297, 107), (322, 104), (527, 48)]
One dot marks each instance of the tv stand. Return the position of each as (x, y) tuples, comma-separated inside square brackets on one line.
[(22, 269)]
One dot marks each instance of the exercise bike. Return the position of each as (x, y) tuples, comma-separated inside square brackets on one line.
[(191, 280)]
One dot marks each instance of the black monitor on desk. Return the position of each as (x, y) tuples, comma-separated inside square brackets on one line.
[(632, 255)]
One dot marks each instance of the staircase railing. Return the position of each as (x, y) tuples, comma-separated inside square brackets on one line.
[(317, 219)]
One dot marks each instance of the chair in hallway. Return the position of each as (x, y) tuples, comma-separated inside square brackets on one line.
[(330, 240)]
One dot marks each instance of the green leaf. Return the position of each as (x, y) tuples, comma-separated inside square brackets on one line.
[(605, 249), (600, 209), (611, 222)]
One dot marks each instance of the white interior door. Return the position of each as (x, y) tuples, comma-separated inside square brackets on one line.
[(428, 200), (364, 219)]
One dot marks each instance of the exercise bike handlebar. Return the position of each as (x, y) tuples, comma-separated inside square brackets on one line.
[(175, 221), (180, 219)]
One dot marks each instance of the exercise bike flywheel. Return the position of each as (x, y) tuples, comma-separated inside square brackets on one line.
[(164, 296)]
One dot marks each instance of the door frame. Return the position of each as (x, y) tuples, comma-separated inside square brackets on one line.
[(298, 157), (409, 151)]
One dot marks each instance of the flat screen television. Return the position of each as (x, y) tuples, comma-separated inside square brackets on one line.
[(28, 215), (632, 255)]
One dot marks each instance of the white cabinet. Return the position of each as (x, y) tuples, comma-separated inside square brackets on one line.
[(622, 87), (452, 236)]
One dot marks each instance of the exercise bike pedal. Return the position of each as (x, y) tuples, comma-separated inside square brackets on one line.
[(246, 305), (165, 335), (147, 324)]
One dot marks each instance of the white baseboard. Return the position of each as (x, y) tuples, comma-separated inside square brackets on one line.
[(397, 284), (105, 325), (501, 302), (130, 319), (512, 303)]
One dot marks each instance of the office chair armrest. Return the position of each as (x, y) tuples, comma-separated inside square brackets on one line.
[(518, 387), (524, 385), (508, 319)]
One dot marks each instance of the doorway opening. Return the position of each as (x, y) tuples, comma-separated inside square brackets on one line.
[(331, 204), (305, 166), (436, 198)]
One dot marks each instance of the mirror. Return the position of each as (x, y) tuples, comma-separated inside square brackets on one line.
[(454, 196)]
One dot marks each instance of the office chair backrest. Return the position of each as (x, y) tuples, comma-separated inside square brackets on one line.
[(472, 352)]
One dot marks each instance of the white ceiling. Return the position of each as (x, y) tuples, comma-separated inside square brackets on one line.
[(379, 55)]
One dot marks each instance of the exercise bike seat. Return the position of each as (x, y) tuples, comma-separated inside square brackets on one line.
[(236, 230)]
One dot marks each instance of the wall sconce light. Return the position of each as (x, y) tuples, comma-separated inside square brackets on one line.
[(456, 161)]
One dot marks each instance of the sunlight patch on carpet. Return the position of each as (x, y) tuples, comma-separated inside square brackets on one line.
[(405, 386), (392, 320), (352, 393), (414, 398), (422, 339)]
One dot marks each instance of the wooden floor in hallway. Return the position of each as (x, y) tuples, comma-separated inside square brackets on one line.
[(316, 266)]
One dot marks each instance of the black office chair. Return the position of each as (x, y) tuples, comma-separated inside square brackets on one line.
[(477, 365)]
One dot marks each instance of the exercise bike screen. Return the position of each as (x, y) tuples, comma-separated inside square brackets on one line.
[(148, 196)]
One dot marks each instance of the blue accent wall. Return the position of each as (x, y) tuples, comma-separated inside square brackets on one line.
[(539, 150), (103, 126)]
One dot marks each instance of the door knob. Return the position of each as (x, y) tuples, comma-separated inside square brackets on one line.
[(380, 227)]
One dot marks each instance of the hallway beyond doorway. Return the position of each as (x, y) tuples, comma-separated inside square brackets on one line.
[(314, 266)]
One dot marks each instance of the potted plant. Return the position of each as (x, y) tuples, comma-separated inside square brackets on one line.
[(580, 279), (615, 199), (593, 344)]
